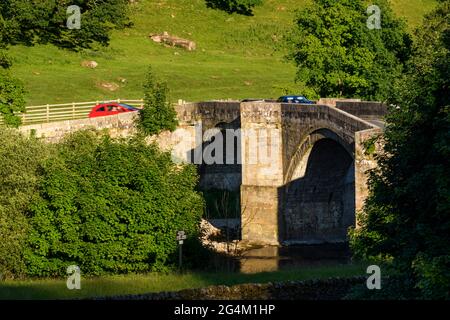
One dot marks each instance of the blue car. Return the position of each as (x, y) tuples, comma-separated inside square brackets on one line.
[(294, 99)]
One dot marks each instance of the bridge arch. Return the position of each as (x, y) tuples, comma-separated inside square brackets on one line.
[(220, 181), (319, 190), (296, 162)]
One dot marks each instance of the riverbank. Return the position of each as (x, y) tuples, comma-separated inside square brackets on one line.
[(123, 285)]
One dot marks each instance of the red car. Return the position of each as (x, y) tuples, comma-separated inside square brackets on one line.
[(109, 109)]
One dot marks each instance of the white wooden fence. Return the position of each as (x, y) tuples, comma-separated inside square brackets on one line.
[(66, 111)]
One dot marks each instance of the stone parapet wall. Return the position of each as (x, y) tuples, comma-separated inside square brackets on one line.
[(120, 125), (368, 110)]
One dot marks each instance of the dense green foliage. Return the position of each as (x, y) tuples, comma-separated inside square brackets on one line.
[(244, 7), (12, 97), (158, 113), (337, 55), (222, 204), (12, 91), (406, 219), (110, 207), (31, 22), (20, 158)]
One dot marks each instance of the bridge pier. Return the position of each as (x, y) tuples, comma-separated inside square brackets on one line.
[(262, 172), (259, 214)]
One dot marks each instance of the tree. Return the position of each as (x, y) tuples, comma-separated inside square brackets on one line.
[(11, 89), (406, 218), (11, 97), (338, 55), (42, 22), (244, 7), (158, 113)]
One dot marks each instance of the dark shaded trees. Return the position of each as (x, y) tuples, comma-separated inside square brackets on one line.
[(244, 7), (406, 218)]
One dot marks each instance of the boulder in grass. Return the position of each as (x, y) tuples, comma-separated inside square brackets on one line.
[(89, 64), (173, 41), (109, 86)]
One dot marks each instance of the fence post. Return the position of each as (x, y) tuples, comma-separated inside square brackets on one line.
[(48, 113), (73, 110), (118, 100)]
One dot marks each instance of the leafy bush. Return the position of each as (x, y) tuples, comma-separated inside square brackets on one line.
[(110, 206), (158, 113), (11, 97), (433, 278), (20, 158), (244, 7)]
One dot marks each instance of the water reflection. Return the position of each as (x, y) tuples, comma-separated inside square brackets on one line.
[(278, 258), (273, 258)]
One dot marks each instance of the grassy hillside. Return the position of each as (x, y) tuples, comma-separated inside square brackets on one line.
[(236, 56)]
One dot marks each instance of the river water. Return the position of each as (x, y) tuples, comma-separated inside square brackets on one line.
[(273, 258)]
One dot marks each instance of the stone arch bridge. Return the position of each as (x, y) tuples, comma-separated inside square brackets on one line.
[(300, 169)]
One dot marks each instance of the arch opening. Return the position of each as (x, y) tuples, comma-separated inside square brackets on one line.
[(319, 204), (220, 181)]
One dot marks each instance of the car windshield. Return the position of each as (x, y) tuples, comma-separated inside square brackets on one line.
[(128, 106)]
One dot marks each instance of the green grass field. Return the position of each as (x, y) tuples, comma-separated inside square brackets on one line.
[(236, 56), (139, 284)]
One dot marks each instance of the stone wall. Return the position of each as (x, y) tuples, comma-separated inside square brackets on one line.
[(120, 125), (364, 109), (323, 289), (364, 161), (332, 101), (205, 114)]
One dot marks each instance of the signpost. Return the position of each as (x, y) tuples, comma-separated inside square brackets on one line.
[(181, 235)]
